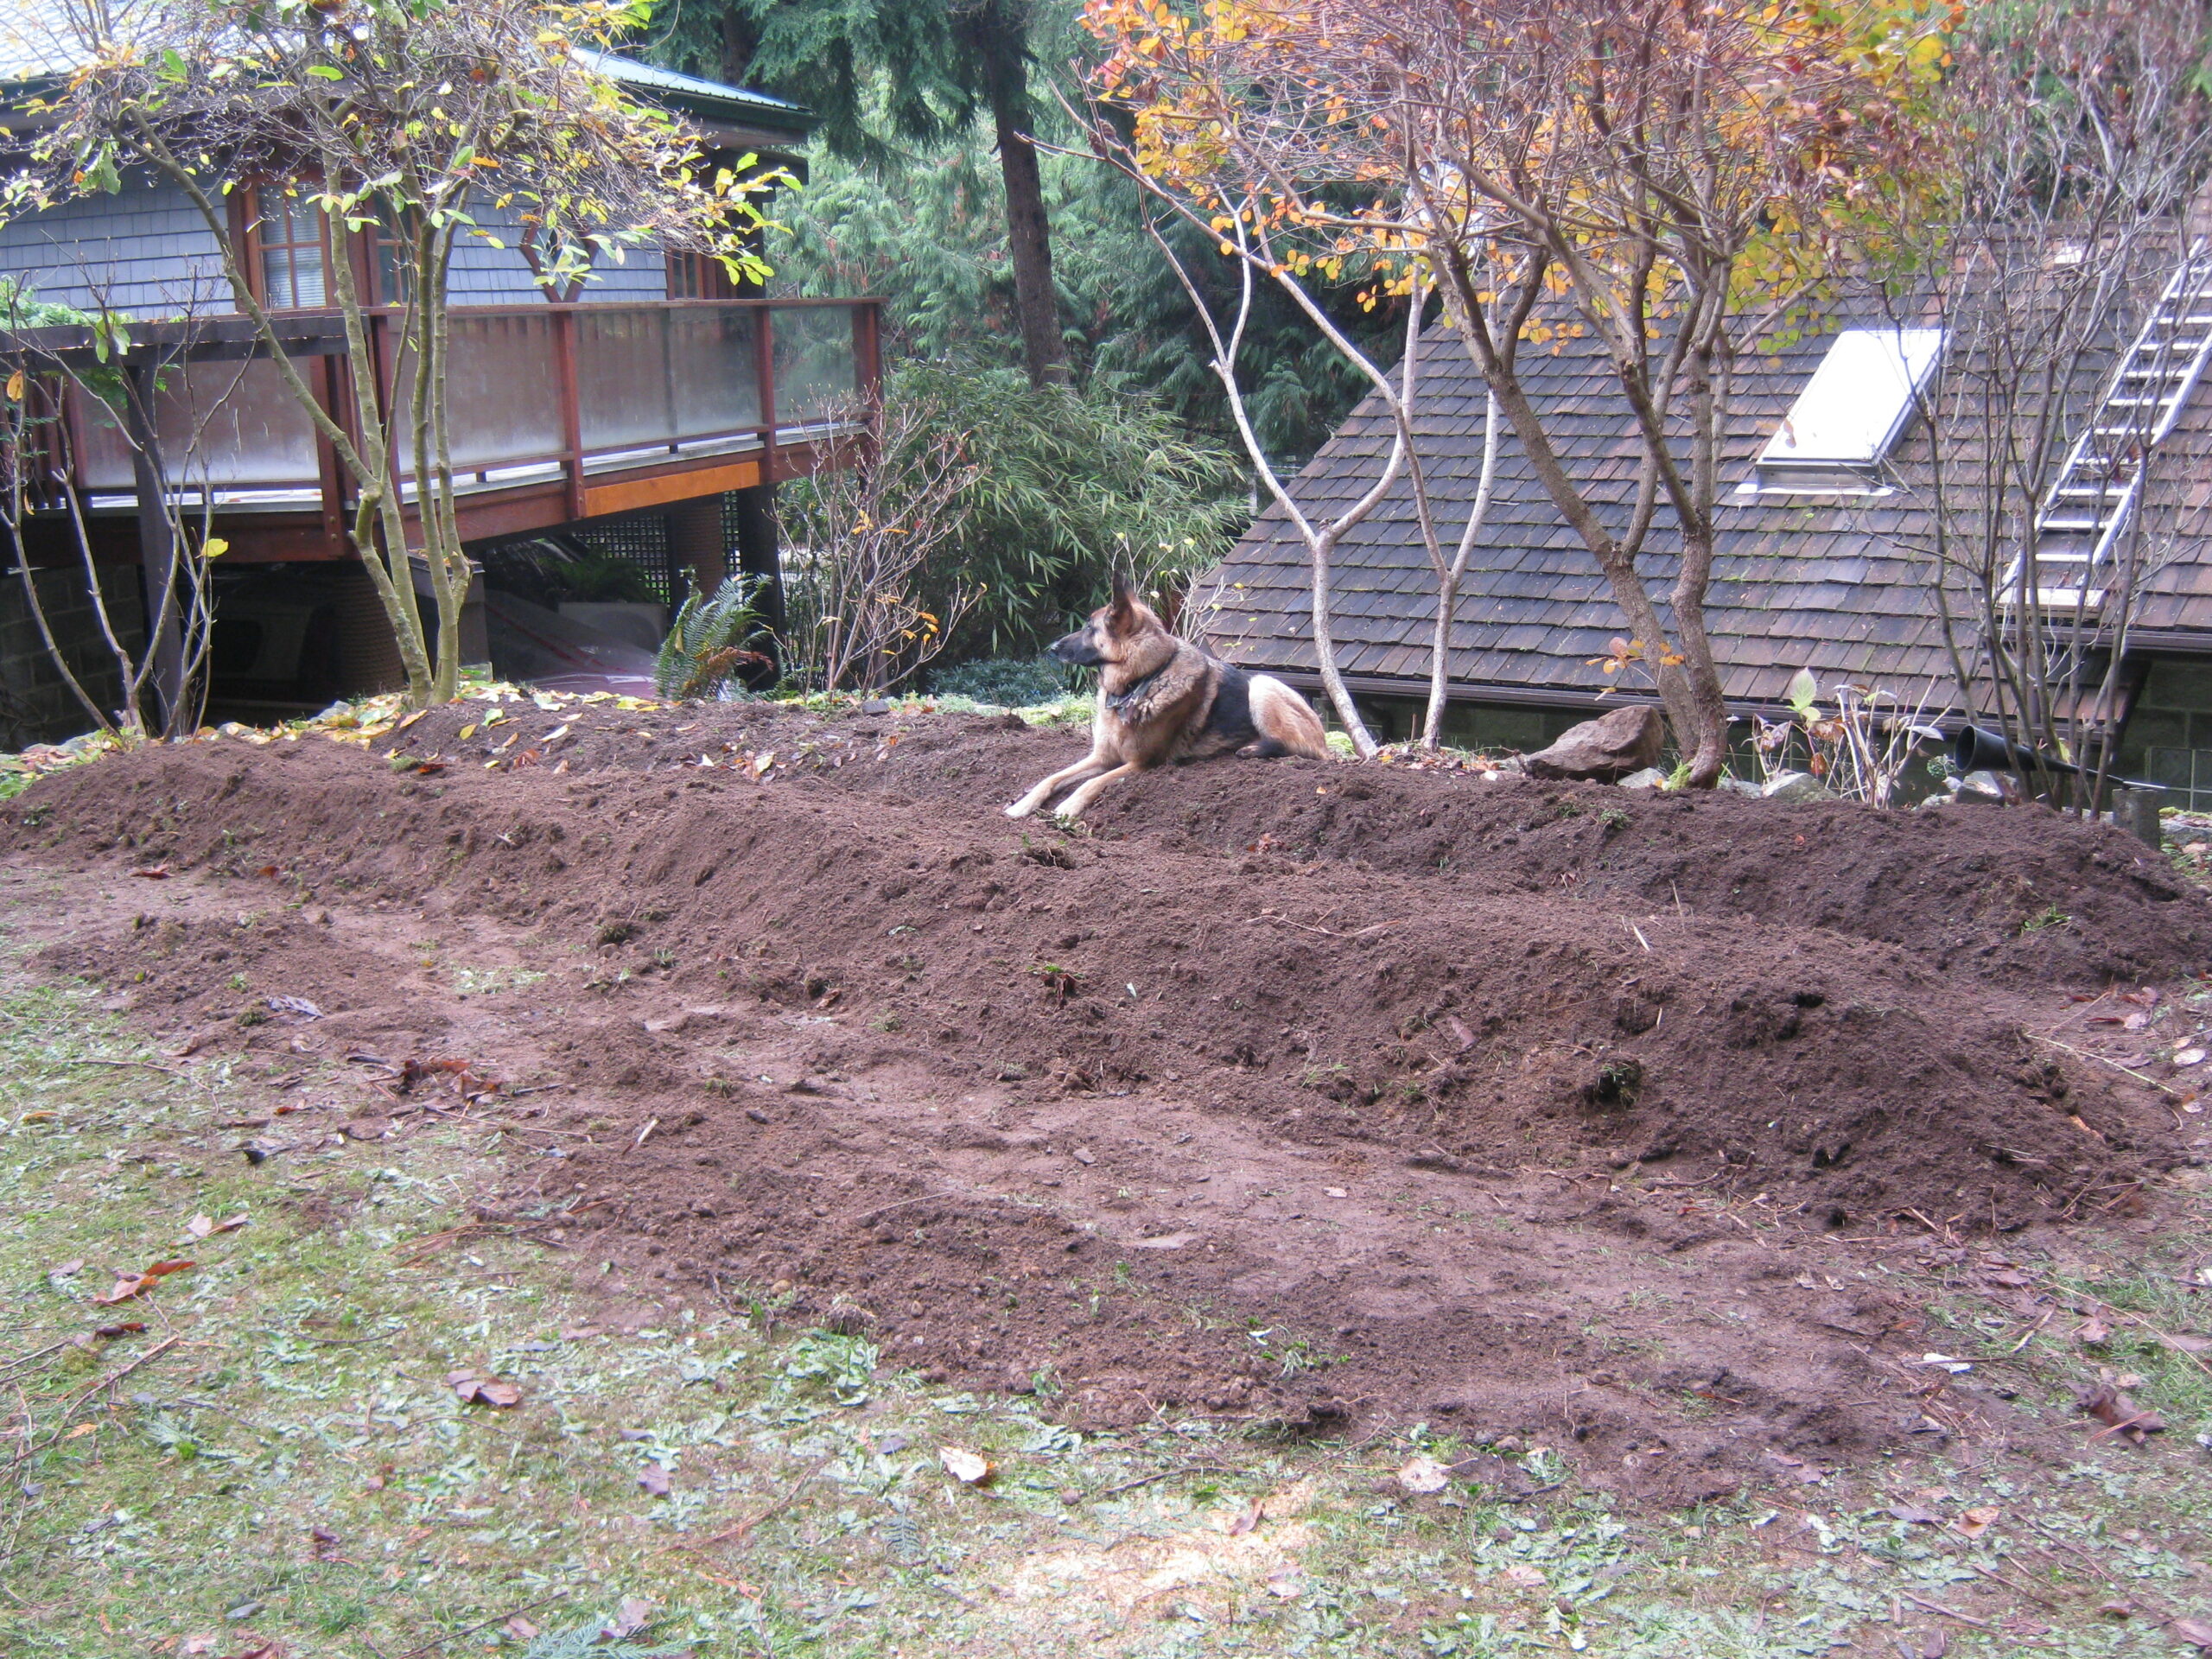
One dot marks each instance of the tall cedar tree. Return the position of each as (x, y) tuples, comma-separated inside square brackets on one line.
[(939, 67)]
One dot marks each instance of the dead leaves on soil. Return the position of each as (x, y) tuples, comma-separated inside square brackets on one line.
[(475, 1390), (2121, 1415), (967, 1467), (135, 1284)]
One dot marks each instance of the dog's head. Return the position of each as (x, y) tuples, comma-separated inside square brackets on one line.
[(1117, 632)]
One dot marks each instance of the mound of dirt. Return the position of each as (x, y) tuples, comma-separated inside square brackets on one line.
[(1019, 1099), (1516, 1018), (2020, 895)]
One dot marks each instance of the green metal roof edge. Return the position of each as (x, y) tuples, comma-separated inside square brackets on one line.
[(695, 95)]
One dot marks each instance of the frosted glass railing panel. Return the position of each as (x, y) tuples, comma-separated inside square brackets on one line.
[(817, 370), (220, 426), (714, 370), (623, 377), (502, 391)]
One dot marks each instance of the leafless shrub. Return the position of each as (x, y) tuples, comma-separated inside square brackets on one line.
[(858, 619)]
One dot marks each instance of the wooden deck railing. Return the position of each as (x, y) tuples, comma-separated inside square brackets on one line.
[(582, 408)]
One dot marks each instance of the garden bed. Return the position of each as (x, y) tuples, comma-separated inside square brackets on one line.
[(1295, 1092)]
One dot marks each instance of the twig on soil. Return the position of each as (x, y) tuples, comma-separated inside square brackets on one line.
[(70, 1407), (1993, 1574), (496, 1618), (536, 1089), (1146, 1480), (1325, 932), (166, 1071), (1947, 1612), (742, 1532), (2083, 1054)]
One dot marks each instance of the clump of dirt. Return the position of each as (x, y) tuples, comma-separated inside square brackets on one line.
[(1090, 1111)]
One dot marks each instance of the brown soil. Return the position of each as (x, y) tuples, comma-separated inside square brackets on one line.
[(1291, 1090)]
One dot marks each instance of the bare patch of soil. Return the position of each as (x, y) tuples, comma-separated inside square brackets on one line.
[(1292, 1091)]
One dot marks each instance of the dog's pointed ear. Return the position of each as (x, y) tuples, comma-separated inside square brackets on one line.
[(1124, 607)]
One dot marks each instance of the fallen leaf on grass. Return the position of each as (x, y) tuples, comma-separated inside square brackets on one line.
[(129, 1327), (472, 1387), (2021, 1625), (1423, 1475), (1916, 1516), (2093, 1333), (654, 1479), (1283, 1582), (634, 1613), (2184, 1342), (207, 1226), (130, 1285), (1523, 1576), (197, 1645), (2195, 1631), (521, 1629), (81, 1428), (153, 872), (1973, 1522), (2121, 1415), (964, 1467), (1247, 1518)]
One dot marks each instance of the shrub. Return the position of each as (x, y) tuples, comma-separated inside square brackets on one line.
[(1063, 488), (1008, 682)]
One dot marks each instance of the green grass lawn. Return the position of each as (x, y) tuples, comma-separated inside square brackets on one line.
[(278, 1463)]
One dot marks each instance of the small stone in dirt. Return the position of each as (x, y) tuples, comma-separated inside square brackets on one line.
[(1789, 788)]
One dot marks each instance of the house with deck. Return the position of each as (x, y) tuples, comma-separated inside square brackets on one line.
[(1827, 537), (641, 421)]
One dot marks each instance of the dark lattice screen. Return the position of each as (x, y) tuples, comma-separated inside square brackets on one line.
[(642, 540)]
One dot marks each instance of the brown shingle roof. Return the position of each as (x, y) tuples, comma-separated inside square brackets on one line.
[(1833, 583)]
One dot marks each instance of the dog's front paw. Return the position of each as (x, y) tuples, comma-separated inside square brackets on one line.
[(1020, 809), (1068, 816)]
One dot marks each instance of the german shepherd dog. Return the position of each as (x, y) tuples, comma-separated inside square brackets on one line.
[(1163, 699)]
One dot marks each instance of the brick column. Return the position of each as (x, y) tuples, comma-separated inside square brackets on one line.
[(697, 551)]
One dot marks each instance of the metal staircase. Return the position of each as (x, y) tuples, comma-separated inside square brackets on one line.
[(2080, 520)]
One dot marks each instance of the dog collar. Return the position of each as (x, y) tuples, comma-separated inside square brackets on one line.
[(1120, 700)]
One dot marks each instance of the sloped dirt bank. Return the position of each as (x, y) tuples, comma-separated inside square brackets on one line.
[(1150, 1118)]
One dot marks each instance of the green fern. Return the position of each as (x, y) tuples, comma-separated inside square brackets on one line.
[(713, 639)]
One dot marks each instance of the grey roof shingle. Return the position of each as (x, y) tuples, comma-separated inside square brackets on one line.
[(1836, 584)]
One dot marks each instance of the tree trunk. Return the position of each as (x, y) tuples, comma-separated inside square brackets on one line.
[(1028, 231)]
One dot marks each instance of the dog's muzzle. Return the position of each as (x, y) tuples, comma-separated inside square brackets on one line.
[(1075, 650)]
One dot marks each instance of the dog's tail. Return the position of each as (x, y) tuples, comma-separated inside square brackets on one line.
[(1286, 722)]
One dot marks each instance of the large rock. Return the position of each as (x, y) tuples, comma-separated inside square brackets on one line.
[(1603, 750)]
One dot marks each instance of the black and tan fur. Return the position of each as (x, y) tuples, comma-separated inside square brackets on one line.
[(1162, 699)]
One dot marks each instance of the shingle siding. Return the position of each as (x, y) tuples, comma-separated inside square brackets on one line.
[(144, 251)]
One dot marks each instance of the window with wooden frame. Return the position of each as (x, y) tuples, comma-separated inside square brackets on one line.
[(289, 255), (698, 276)]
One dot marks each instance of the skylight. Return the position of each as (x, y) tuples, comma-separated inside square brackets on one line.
[(1852, 411)]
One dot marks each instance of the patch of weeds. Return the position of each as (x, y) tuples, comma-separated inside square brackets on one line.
[(2052, 916), (1060, 983), (492, 982), (823, 1362)]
